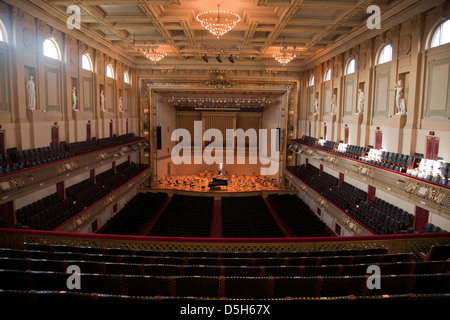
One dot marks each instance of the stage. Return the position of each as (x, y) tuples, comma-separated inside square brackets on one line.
[(209, 184)]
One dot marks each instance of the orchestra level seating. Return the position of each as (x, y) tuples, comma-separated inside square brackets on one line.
[(40, 271)]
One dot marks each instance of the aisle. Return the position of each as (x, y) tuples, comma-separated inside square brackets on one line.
[(216, 224)]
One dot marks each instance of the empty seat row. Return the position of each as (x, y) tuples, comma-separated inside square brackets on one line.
[(185, 216), (297, 216), (226, 287), (137, 213), (191, 253), (13, 160), (248, 217), (97, 267)]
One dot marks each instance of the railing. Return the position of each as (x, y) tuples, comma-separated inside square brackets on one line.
[(400, 243)]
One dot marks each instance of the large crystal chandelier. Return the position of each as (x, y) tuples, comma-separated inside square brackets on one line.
[(218, 22), (153, 55), (283, 56)]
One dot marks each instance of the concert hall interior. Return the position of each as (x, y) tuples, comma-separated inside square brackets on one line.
[(212, 150)]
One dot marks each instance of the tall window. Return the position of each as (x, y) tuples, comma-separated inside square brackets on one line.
[(86, 63), (441, 35), (51, 49), (109, 71), (4, 79), (327, 75), (311, 81), (385, 54), (126, 77), (350, 67), (87, 89)]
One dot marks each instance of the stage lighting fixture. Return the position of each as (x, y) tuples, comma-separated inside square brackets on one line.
[(218, 58)]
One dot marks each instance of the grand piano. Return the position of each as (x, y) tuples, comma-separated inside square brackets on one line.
[(218, 183)]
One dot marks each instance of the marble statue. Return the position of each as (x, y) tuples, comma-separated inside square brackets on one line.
[(31, 94), (102, 101), (360, 101), (120, 104), (74, 99), (399, 100), (334, 105)]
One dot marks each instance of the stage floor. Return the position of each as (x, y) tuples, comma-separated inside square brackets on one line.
[(200, 184)]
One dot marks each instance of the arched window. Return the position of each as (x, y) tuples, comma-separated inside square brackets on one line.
[(86, 62), (385, 54), (3, 37), (51, 49), (311, 81), (350, 67), (327, 75), (441, 35), (126, 77), (109, 71)]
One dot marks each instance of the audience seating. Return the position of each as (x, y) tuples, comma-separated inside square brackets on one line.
[(248, 217), (46, 213), (297, 216), (435, 171), (18, 160), (51, 211), (378, 215), (39, 271), (135, 215), (185, 216)]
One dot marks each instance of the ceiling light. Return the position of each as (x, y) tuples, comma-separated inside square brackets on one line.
[(218, 22), (284, 57), (153, 55)]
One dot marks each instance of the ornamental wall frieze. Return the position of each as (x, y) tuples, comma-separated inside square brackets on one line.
[(218, 78), (67, 166), (432, 193), (10, 183), (365, 170), (352, 226)]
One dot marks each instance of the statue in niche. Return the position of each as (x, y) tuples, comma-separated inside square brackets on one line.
[(120, 104), (333, 105), (102, 101), (360, 102), (399, 100), (31, 94), (74, 99), (316, 106)]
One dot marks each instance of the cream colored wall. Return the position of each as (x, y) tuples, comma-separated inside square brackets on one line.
[(25, 128), (409, 36)]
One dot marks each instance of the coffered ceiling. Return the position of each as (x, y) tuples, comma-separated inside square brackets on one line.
[(305, 27)]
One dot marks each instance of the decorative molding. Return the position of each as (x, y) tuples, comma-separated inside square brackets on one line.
[(428, 192), (365, 170), (405, 44)]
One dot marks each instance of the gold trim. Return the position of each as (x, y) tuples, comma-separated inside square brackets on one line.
[(394, 244)]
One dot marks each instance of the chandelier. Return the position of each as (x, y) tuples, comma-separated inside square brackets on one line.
[(218, 22), (153, 55), (284, 57)]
